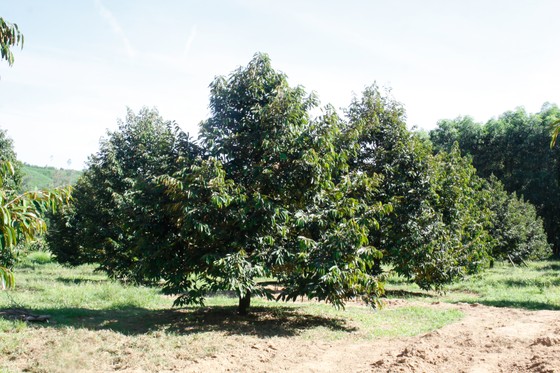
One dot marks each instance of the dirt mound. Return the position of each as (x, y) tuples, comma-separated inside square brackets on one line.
[(488, 339)]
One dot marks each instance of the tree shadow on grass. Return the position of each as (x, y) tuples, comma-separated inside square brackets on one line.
[(263, 322), (552, 267), (397, 293), (72, 280), (527, 305), (543, 281)]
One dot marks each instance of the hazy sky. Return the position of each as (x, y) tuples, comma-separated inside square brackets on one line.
[(85, 61)]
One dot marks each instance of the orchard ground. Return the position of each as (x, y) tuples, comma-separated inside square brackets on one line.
[(506, 319)]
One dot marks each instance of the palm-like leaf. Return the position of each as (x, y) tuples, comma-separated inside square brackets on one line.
[(21, 216), (555, 132)]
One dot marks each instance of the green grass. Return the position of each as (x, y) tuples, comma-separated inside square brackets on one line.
[(389, 322), (534, 287), (51, 286), (37, 177), (36, 257), (101, 325), (81, 298)]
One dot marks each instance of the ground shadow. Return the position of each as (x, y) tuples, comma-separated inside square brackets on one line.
[(263, 322), (553, 267), (528, 305), (73, 280), (397, 293), (543, 282)]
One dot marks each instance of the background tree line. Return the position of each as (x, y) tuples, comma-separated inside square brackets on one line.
[(323, 204), (514, 148)]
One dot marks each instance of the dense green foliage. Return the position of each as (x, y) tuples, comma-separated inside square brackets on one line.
[(517, 231), (44, 177), (318, 203), (437, 232), (118, 205), (514, 148), (267, 194)]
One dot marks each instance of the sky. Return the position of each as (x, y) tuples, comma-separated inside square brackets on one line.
[(84, 62)]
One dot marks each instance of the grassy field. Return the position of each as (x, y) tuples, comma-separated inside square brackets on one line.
[(535, 287), (94, 319), (37, 177), (81, 298)]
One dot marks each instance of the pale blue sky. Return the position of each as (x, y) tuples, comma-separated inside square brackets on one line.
[(85, 61)]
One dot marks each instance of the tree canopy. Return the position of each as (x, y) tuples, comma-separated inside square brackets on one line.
[(323, 204), (515, 149), (267, 193)]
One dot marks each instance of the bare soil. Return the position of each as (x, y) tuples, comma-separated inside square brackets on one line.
[(488, 339)]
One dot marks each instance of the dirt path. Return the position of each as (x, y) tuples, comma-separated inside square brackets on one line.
[(488, 339)]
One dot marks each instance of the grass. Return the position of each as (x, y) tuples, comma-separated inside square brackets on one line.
[(37, 177), (534, 287), (36, 257), (81, 298), (101, 325)]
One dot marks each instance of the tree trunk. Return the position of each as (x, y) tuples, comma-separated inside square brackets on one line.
[(244, 303)]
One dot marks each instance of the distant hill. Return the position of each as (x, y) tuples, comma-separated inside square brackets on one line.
[(37, 177)]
